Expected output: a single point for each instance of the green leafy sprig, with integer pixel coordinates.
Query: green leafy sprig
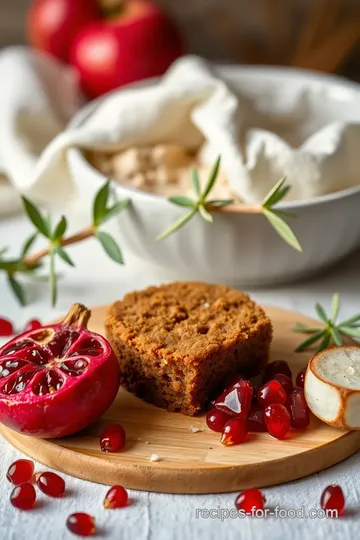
(200, 204)
(29, 263)
(57, 240)
(203, 206)
(332, 332)
(275, 217)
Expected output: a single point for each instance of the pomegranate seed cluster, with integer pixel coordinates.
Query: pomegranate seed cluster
(269, 402)
(21, 474)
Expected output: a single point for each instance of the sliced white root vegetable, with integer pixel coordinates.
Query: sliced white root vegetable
(332, 386)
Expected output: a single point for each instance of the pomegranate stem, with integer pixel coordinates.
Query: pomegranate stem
(78, 316)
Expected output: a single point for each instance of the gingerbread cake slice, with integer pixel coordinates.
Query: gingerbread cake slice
(178, 344)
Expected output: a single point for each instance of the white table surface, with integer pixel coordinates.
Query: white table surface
(96, 280)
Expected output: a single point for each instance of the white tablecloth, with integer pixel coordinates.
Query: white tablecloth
(173, 517)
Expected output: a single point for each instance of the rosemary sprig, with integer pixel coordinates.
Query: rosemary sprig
(28, 262)
(275, 217)
(203, 206)
(200, 204)
(332, 332)
(57, 240)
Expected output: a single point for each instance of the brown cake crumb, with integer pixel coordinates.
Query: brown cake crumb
(178, 344)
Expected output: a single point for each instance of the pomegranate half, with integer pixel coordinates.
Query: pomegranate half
(56, 380)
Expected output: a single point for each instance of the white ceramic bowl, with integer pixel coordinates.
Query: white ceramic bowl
(238, 249)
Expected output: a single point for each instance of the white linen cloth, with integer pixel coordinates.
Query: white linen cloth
(263, 131)
(38, 97)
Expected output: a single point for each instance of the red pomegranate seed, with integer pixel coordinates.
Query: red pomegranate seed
(113, 438)
(237, 400)
(216, 420)
(51, 484)
(6, 328)
(300, 378)
(277, 420)
(299, 410)
(235, 432)
(116, 497)
(33, 324)
(271, 392)
(23, 496)
(280, 366)
(21, 471)
(81, 524)
(250, 500)
(285, 382)
(256, 420)
(332, 498)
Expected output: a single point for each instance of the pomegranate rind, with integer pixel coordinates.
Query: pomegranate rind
(80, 401)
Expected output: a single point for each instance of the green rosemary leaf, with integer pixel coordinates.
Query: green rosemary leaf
(351, 321)
(335, 307)
(100, 202)
(219, 203)
(115, 210)
(310, 341)
(324, 343)
(196, 182)
(52, 277)
(177, 224)
(349, 331)
(59, 250)
(205, 214)
(275, 195)
(282, 228)
(332, 332)
(110, 247)
(60, 229)
(11, 265)
(284, 215)
(301, 329)
(28, 245)
(321, 312)
(36, 218)
(338, 340)
(3, 251)
(182, 201)
(17, 289)
(213, 175)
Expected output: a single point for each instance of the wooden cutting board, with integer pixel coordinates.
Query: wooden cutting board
(193, 462)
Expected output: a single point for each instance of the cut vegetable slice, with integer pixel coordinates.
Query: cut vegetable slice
(332, 386)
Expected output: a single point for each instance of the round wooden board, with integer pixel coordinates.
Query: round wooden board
(193, 462)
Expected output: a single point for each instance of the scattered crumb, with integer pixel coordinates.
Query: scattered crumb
(154, 457)
(147, 442)
(210, 448)
(138, 438)
(195, 429)
(206, 304)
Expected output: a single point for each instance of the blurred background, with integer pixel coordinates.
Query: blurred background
(316, 34)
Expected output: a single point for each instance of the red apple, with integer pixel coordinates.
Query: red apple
(137, 43)
(53, 24)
